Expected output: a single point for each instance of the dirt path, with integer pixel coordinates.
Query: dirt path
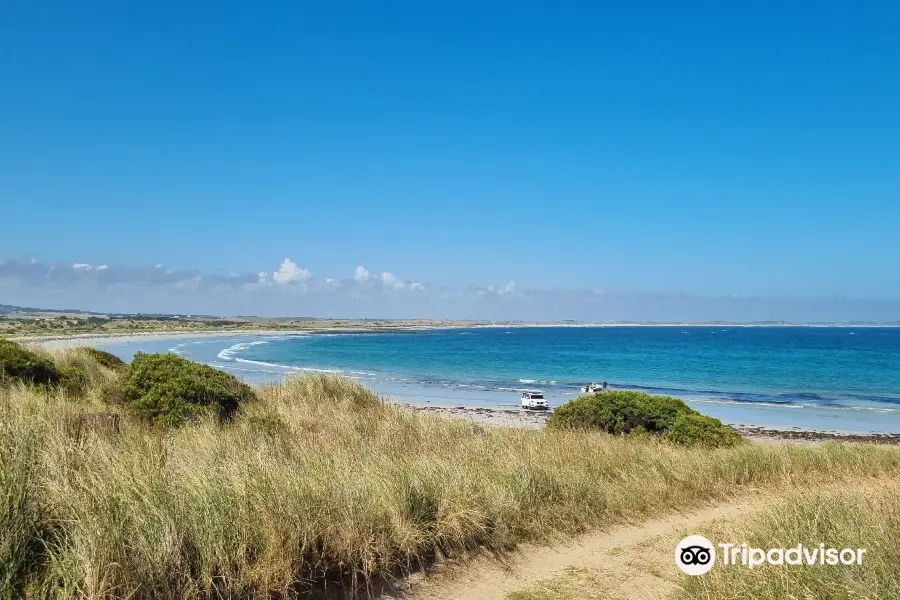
(635, 561)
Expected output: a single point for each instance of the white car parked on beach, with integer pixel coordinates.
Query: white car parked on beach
(534, 400)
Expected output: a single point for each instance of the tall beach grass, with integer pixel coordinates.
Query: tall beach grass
(861, 515)
(322, 481)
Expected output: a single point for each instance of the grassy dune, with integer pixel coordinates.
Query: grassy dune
(855, 514)
(321, 480)
(858, 516)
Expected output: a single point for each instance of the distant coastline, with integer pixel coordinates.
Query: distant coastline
(843, 324)
(402, 326)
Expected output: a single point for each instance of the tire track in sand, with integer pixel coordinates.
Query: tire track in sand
(631, 561)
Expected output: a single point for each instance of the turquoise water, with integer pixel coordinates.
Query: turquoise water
(809, 377)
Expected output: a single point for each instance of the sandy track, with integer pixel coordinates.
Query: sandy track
(632, 561)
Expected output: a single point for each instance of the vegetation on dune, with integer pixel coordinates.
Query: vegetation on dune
(169, 390)
(17, 363)
(571, 584)
(857, 514)
(103, 358)
(627, 412)
(693, 428)
(28, 321)
(74, 371)
(864, 515)
(318, 479)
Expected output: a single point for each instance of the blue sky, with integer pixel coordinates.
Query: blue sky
(694, 149)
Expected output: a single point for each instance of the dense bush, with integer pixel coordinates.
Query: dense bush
(104, 358)
(625, 412)
(168, 390)
(619, 412)
(695, 429)
(73, 379)
(20, 364)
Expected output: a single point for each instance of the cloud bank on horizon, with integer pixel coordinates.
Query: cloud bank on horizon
(292, 290)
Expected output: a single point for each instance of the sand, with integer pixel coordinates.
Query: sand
(501, 417)
(538, 420)
(94, 339)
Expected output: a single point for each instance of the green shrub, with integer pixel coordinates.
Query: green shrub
(639, 414)
(618, 412)
(696, 429)
(112, 391)
(20, 364)
(169, 390)
(104, 358)
(73, 380)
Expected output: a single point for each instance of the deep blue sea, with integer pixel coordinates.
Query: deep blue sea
(834, 378)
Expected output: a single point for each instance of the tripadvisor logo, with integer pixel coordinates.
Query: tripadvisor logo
(696, 555)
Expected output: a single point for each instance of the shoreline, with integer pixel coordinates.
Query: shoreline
(65, 341)
(157, 334)
(500, 417)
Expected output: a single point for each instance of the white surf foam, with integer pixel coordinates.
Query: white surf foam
(228, 353)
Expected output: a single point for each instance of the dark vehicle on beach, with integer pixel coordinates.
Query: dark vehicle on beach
(594, 387)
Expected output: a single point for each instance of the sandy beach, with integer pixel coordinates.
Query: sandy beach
(91, 339)
(495, 416)
(538, 420)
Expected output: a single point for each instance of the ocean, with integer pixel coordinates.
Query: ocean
(826, 378)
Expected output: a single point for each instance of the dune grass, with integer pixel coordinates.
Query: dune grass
(320, 480)
(858, 514)
(863, 515)
(571, 584)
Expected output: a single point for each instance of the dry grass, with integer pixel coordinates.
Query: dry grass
(862, 515)
(572, 584)
(322, 480)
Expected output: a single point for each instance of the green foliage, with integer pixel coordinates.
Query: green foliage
(104, 358)
(618, 412)
(20, 364)
(639, 414)
(169, 390)
(696, 429)
(112, 391)
(73, 379)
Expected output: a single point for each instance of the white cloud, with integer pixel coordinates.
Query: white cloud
(102, 268)
(507, 289)
(120, 288)
(289, 271)
(362, 274)
(392, 281)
